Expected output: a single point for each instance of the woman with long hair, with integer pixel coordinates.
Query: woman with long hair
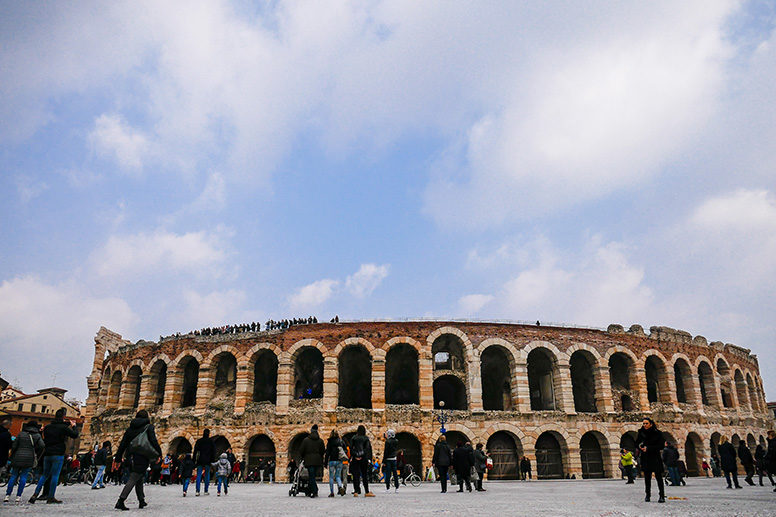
(651, 443)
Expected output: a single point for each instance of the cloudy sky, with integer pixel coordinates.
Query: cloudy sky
(168, 166)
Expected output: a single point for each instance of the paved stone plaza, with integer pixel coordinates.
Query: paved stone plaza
(701, 497)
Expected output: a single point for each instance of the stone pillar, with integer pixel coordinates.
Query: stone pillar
(564, 392)
(521, 387)
(474, 378)
(613, 465)
(574, 461)
(205, 387)
(172, 390)
(666, 383)
(603, 390)
(126, 394)
(426, 380)
(147, 391)
(284, 389)
(243, 389)
(378, 384)
(330, 384)
(642, 390)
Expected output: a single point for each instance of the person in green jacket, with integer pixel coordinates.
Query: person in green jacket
(626, 460)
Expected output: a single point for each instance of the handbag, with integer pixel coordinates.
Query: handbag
(141, 445)
(473, 476)
(342, 455)
(34, 454)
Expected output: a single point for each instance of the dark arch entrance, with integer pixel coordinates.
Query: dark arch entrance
(226, 375)
(495, 369)
(628, 441)
(592, 457)
(691, 460)
(714, 443)
(401, 375)
(261, 449)
(453, 437)
(293, 451)
(682, 381)
(549, 457)
(179, 446)
(447, 352)
(583, 381)
(133, 382)
(541, 379)
(355, 378)
(158, 382)
(308, 374)
(504, 450)
(706, 380)
(221, 444)
(190, 380)
(410, 445)
(265, 377)
(654, 370)
(451, 390)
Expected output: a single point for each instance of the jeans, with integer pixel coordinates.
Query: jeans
(312, 471)
(390, 470)
(673, 475)
(98, 478)
(52, 465)
(17, 474)
(186, 481)
(206, 470)
(335, 475)
(225, 481)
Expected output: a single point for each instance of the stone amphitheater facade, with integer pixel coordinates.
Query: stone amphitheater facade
(568, 398)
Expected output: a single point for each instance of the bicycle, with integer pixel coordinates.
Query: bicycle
(412, 478)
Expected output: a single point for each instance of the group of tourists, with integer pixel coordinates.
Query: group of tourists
(250, 327)
(468, 464)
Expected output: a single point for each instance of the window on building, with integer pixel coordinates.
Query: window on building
(32, 408)
(21, 406)
(43, 409)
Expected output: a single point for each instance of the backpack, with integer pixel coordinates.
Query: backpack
(358, 450)
(141, 445)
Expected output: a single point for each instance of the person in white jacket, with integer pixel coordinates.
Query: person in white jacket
(223, 468)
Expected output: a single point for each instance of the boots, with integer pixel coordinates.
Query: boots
(142, 504)
(120, 505)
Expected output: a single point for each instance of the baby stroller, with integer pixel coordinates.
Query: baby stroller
(300, 483)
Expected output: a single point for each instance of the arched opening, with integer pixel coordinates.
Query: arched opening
(410, 445)
(355, 378)
(179, 446)
(158, 382)
(752, 393)
(221, 443)
(628, 441)
(504, 449)
(735, 440)
(670, 438)
(293, 451)
(591, 455)
(495, 369)
(401, 375)
(725, 388)
(706, 378)
(743, 400)
(751, 443)
(260, 451)
(226, 376)
(308, 374)
(683, 381)
(714, 443)
(265, 377)
(549, 457)
(114, 390)
(451, 390)
(621, 373)
(456, 437)
(448, 353)
(541, 379)
(693, 449)
(190, 380)
(132, 385)
(657, 382)
(583, 381)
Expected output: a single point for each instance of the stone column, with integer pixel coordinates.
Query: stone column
(603, 390)
(574, 461)
(475, 382)
(284, 393)
(378, 384)
(426, 380)
(693, 391)
(564, 392)
(126, 395)
(147, 391)
(205, 387)
(172, 390)
(330, 384)
(521, 387)
(243, 389)
(641, 387)
(613, 466)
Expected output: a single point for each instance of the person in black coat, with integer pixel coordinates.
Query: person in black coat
(727, 457)
(770, 455)
(138, 462)
(55, 437)
(759, 459)
(101, 462)
(651, 443)
(186, 467)
(442, 460)
(361, 461)
(311, 451)
(5, 441)
(204, 455)
(462, 463)
(745, 455)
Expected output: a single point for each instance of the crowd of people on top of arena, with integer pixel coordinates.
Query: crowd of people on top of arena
(251, 327)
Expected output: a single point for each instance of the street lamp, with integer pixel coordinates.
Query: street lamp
(442, 416)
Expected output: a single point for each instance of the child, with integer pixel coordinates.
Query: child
(223, 468)
(186, 468)
(166, 466)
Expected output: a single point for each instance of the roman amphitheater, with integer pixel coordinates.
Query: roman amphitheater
(568, 398)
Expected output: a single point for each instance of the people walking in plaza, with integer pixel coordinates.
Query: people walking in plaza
(101, 462)
(770, 455)
(714, 463)
(671, 461)
(462, 463)
(626, 460)
(480, 465)
(759, 459)
(139, 457)
(204, 455)
(223, 468)
(311, 451)
(360, 461)
(651, 443)
(25, 451)
(525, 468)
(727, 458)
(747, 461)
(389, 460)
(335, 453)
(186, 467)
(54, 437)
(6, 440)
(443, 458)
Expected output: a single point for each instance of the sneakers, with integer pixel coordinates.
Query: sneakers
(18, 499)
(184, 494)
(218, 494)
(197, 494)
(341, 491)
(7, 499)
(331, 495)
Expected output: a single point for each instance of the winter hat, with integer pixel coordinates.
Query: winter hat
(223, 456)
(390, 433)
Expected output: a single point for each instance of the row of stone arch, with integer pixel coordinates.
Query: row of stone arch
(495, 375)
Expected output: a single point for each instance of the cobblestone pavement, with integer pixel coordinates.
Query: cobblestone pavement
(576, 497)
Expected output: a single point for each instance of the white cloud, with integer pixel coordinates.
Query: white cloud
(313, 295)
(368, 277)
(742, 210)
(29, 188)
(146, 253)
(211, 309)
(472, 303)
(113, 138)
(49, 330)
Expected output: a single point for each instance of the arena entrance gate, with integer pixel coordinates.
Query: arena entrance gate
(591, 456)
(549, 457)
(412, 453)
(504, 452)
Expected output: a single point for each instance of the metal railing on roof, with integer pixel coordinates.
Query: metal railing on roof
(474, 320)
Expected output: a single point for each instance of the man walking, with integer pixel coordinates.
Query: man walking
(204, 456)
(389, 460)
(54, 436)
(139, 461)
(442, 460)
(671, 461)
(101, 461)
